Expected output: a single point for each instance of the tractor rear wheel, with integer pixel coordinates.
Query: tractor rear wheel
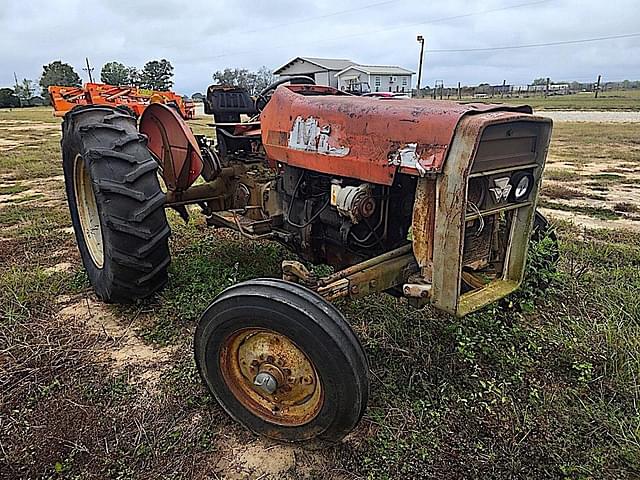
(282, 361)
(116, 204)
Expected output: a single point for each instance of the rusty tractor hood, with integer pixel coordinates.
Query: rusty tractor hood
(362, 137)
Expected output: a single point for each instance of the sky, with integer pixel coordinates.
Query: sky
(199, 37)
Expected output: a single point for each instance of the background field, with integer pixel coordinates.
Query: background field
(542, 385)
(615, 100)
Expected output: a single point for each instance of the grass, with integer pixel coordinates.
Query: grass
(12, 189)
(616, 100)
(607, 143)
(602, 213)
(541, 385)
(562, 192)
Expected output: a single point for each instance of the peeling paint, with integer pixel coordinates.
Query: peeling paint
(407, 157)
(309, 136)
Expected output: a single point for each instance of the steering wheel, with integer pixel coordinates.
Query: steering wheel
(265, 95)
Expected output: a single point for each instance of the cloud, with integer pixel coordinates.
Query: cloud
(200, 37)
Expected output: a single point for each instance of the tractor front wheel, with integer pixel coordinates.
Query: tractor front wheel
(282, 361)
(116, 204)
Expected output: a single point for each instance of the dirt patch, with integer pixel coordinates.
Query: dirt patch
(6, 145)
(123, 347)
(47, 191)
(591, 116)
(591, 222)
(592, 169)
(266, 459)
(30, 127)
(59, 267)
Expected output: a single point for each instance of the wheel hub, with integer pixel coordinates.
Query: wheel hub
(271, 376)
(266, 382)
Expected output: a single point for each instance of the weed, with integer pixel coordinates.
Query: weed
(12, 189)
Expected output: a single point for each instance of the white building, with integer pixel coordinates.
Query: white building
(375, 78)
(348, 75)
(322, 70)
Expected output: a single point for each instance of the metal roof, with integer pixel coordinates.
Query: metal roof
(324, 63)
(377, 70)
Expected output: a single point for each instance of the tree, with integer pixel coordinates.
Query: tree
(115, 73)
(134, 76)
(540, 81)
(264, 78)
(157, 75)
(254, 82)
(8, 98)
(58, 73)
(198, 97)
(25, 90)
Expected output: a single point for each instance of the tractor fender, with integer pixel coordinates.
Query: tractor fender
(172, 143)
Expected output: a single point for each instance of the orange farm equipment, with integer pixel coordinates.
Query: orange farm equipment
(134, 100)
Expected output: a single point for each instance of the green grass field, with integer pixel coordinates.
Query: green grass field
(615, 100)
(542, 385)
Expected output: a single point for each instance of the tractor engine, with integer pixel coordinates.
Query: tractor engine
(341, 221)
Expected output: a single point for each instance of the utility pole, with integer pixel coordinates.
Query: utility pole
(504, 85)
(546, 90)
(89, 69)
(15, 77)
(597, 85)
(420, 39)
(459, 92)
(439, 84)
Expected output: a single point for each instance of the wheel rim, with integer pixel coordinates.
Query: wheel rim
(255, 360)
(88, 212)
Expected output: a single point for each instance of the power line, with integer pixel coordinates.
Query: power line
(369, 32)
(319, 17)
(534, 45)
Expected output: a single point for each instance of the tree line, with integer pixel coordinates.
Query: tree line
(154, 75)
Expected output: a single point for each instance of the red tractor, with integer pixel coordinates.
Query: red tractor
(429, 200)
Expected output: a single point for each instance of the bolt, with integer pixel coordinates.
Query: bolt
(266, 382)
(255, 363)
(355, 289)
(279, 362)
(307, 380)
(270, 359)
(286, 371)
(262, 356)
(291, 379)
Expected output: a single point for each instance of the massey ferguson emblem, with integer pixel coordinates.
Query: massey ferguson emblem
(501, 190)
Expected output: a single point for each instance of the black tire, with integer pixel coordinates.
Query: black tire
(315, 327)
(128, 110)
(105, 142)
